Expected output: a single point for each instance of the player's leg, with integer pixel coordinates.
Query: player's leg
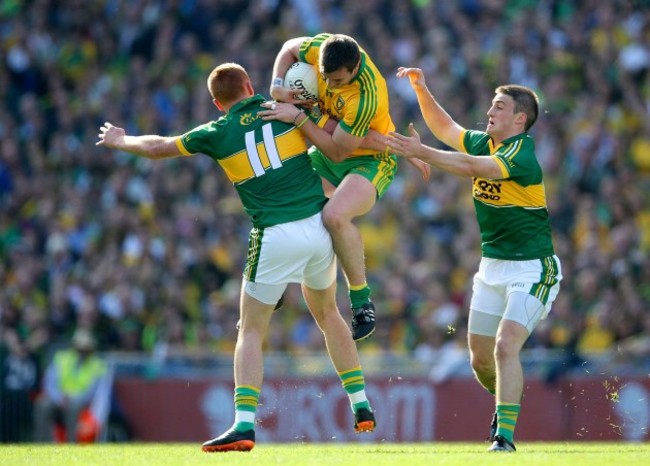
(481, 350)
(511, 337)
(255, 319)
(343, 353)
(319, 290)
(249, 373)
(354, 197)
(486, 308)
(533, 286)
(360, 182)
(257, 301)
(340, 346)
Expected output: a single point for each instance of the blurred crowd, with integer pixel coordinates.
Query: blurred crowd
(148, 255)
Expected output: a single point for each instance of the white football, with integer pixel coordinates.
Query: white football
(302, 76)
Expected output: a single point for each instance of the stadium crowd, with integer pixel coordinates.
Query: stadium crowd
(148, 256)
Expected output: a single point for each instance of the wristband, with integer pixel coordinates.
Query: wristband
(300, 112)
(277, 82)
(299, 125)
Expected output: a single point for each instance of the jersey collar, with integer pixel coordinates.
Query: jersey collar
(249, 100)
(509, 140)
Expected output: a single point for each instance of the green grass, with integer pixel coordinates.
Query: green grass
(394, 454)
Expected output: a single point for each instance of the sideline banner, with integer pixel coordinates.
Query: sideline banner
(316, 409)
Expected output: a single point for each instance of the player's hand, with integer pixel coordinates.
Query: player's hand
(290, 96)
(406, 146)
(423, 167)
(279, 111)
(110, 136)
(415, 75)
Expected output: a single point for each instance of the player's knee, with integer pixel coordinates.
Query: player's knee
(251, 330)
(481, 363)
(505, 348)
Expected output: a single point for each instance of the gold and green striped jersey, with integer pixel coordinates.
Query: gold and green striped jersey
(511, 211)
(266, 161)
(359, 106)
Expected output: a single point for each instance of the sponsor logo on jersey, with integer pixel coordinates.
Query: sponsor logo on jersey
(484, 189)
(248, 119)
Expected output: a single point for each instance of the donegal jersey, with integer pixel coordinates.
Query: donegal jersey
(511, 211)
(360, 105)
(266, 161)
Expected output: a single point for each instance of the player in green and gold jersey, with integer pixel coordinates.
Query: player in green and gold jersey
(519, 274)
(268, 164)
(353, 94)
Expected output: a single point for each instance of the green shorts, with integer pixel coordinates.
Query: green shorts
(379, 169)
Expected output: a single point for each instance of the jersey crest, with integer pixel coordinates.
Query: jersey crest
(339, 104)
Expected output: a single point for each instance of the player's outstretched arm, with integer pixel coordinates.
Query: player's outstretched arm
(437, 119)
(456, 163)
(375, 140)
(150, 146)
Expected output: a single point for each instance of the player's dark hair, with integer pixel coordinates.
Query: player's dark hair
(339, 51)
(525, 101)
(227, 82)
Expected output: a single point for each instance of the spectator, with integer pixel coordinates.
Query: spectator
(70, 384)
(19, 372)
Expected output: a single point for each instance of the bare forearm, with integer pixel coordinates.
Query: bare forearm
(282, 62)
(374, 140)
(334, 142)
(455, 163)
(436, 118)
(324, 141)
(149, 146)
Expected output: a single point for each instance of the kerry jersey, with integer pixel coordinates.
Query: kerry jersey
(360, 105)
(511, 211)
(266, 161)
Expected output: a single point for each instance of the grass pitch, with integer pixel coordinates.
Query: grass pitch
(448, 454)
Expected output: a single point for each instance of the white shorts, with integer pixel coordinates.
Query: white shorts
(522, 291)
(293, 252)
